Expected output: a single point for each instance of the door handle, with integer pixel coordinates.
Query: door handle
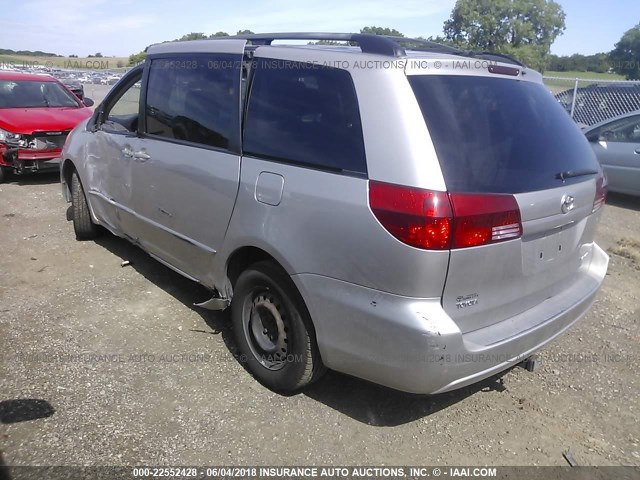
(637, 151)
(141, 156)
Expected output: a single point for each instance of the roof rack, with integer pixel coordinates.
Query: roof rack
(379, 44)
(368, 43)
(418, 44)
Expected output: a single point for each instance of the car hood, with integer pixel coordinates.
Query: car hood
(29, 120)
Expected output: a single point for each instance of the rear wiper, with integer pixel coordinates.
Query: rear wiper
(574, 173)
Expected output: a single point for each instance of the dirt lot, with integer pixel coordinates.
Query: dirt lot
(129, 372)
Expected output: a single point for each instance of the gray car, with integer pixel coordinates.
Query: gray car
(396, 210)
(616, 143)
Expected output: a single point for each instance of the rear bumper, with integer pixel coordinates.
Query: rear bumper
(412, 344)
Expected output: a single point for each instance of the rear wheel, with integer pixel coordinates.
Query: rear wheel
(82, 223)
(4, 172)
(273, 329)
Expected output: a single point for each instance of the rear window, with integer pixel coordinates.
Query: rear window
(304, 114)
(499, 135)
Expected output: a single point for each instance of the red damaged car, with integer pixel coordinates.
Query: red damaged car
(37, 113)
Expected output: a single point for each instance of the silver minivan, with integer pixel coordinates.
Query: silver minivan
(616, 143)
(393, 209)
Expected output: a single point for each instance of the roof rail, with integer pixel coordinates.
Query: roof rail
(378, 44)
(420, 44)
(368, 43)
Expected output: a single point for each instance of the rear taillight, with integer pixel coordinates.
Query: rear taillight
(601, 192)
(420, 218)
(481, 219)
(440, 221)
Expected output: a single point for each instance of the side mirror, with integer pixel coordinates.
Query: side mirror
(87, 102)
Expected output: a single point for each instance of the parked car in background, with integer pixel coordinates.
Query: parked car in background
(74, 85)
(599, 102)
(36, 114)
(616, 143)
(420, 229)
(110, 79)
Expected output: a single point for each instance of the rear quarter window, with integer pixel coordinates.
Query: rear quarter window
(306, 115)
(498, 135)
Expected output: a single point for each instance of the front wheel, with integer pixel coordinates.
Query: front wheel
(3, 174)
(83, 225)
(273, 329)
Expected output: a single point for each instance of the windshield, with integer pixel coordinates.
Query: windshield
(498, 135)
(34, 94)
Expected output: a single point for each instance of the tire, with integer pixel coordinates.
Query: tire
(4, 172)
(82, 223)
(273, 329)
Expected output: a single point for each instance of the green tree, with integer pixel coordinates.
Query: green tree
(522, 28)
(625, 57)
(97, 55)
(382, 31)
(436, 39)
(219, 34)
(244, 32)
(599, 63)
(192, 36)
(136, 58)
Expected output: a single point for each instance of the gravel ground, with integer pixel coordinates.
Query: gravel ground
(123, 370)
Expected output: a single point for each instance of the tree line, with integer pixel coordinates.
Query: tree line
(599, 63)
(136, 58)
(523, 29)
(27, 53)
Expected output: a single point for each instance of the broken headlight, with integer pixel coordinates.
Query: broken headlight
(12, 139)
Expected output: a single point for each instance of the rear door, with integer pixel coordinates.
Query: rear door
(186, 166)
(617, 146)
(503, 141)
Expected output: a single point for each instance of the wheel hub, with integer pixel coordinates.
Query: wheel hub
(268, 332)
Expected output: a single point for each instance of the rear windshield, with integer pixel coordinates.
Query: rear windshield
(34, 94)
(499, 135)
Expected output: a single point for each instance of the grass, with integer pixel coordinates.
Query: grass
(587, 75)
(558, 85)
(628, 248)
(82, 63)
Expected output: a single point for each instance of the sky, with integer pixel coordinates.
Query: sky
(120, 28)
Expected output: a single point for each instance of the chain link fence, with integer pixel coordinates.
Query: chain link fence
(590, 101)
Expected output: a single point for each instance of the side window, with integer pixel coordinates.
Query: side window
(128, 103)
(626, 130)
(195, 99)
(304, 114)
(121, 112)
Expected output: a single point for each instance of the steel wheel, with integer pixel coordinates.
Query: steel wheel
(265, 328)
(273, 329)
